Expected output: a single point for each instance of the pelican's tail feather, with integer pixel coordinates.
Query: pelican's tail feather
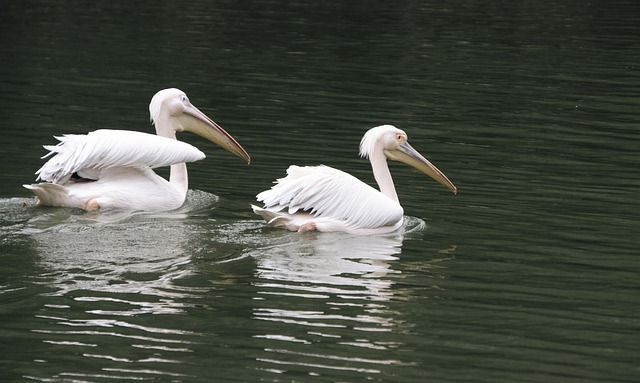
(277, 218)
(54, 195)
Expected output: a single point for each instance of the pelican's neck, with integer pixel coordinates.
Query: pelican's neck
(163, 125)
(383, 175)
(178, 176)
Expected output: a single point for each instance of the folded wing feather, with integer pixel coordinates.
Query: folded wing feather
(101, 149)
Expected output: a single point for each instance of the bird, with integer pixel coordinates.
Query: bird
(110, 168)
(321, 198)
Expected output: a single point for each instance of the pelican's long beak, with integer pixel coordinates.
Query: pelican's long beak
(194, 121)
(407, 154)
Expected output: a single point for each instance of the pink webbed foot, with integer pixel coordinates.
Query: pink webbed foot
(309, 226)
(92, 205)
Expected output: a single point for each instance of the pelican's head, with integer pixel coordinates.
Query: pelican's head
(393, 143)
(172, 112)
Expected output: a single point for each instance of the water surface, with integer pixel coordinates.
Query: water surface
(529, 274)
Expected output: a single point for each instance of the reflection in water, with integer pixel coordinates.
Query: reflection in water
(123, 292)
(115, 251)
(324, 263)
(333, 288)
(105, 273)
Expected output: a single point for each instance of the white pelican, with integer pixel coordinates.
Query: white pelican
(326, 199)
(113, 168)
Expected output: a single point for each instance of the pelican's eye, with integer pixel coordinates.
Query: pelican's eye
(402, 138)
(185, 100)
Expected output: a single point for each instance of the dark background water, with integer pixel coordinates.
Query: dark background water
(529, 274)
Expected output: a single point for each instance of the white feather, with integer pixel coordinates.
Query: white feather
(88, 154)
(332, 199)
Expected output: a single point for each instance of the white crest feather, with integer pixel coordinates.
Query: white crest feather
(156, 102)
(372, 137)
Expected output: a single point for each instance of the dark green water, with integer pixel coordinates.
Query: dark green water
(529, 274)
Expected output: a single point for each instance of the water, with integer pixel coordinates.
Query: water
(529, 274)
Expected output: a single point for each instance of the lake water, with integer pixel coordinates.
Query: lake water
(529, 274)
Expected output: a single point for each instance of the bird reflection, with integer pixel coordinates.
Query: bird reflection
(331, 287)
(101, 260)
(334, 260)
(112, 288)
(328, 264)
(139, 256)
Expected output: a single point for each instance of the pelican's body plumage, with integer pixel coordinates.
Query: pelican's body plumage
(113, 168)
(326, 199)
(330, 198)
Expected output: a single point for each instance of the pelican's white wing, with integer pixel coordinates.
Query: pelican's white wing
(87, 154)
(327, 193)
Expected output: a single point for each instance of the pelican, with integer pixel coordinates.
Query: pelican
(326, 199)
(113, 168)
